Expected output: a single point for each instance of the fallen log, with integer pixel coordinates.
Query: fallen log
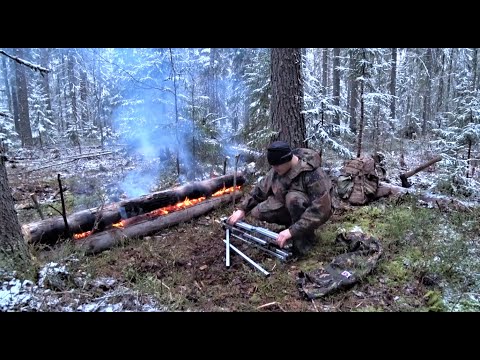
(443, 202)
(51, 230)
(70, 159)
(104, 240)
(405, 176)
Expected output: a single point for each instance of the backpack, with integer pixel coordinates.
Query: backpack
(358, 180)
(310, 156)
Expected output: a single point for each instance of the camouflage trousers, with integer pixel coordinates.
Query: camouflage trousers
(274, 211)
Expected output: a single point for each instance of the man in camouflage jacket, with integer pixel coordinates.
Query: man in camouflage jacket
(296, 193)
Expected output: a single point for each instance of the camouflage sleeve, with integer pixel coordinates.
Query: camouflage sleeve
(318, 187)
(258, 194)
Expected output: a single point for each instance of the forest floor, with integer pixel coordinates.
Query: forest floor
(427, 262)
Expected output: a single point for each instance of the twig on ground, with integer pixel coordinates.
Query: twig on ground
(271, 304)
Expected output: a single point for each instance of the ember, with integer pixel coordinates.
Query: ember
(92, 222)
(162, 211)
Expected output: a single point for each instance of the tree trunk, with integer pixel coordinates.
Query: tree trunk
(393, 84)
(325, 72)
(353, 95)
(175, 96)
(11, 240)
(449, 79)
(362, 109)
(440, 86)
(44, 61)
(469, 157)
(75, 134)
(7, 84)
(107, 239)
(84, 118)
(474, 68)
(22, 93)
(336, 82)
(287, 96)
(50, 231)
(61, 122)
(428, 91)
(16, 111)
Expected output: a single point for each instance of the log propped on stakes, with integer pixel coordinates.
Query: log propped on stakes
(52, 230)
(104, 240)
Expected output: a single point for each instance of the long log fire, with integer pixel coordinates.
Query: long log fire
(89, 222)
(145, 225)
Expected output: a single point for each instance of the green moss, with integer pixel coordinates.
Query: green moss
(433, 299)
(396, 223)
(395, 271)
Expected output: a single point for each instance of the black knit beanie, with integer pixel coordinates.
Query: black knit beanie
(278, 153)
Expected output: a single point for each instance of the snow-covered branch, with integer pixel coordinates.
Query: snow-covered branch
(26, 63)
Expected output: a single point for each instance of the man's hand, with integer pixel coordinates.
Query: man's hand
(282, 238)
(236, 216)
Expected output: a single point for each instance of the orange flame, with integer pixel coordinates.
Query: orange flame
(81, 235)
(165, 210)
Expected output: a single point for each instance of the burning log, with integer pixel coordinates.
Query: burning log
(50, 231)
(104, 240)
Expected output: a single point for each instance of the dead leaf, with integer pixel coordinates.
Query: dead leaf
(203, 267)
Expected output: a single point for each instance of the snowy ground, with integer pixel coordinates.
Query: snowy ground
(60, 290)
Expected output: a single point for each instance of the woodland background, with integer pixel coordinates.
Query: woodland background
(206, 100)
(194, 107)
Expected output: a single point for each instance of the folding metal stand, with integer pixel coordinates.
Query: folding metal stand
(261, 238)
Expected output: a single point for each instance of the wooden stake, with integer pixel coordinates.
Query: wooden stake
(64, 211)
(235, 179)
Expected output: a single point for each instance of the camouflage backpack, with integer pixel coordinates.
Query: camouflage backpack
(358, 180)
(310, 156)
